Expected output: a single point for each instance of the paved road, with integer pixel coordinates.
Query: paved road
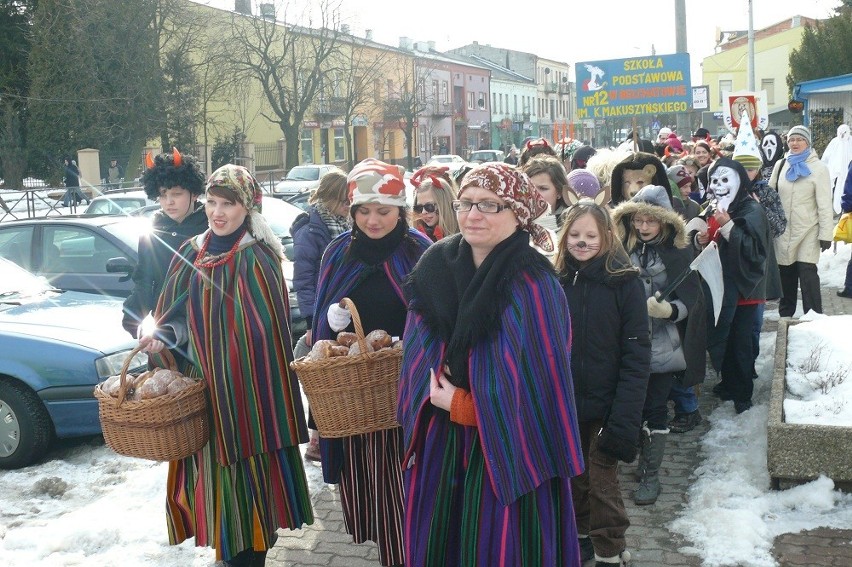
(651, 543)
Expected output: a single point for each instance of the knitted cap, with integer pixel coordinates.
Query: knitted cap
(374, 181)
(800, 131)
(745, 147)
(584, 183)
(679, 175)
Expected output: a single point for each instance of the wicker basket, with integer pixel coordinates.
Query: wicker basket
(165, 428)
(350, 395)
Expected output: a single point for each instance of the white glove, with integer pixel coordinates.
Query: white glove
(338, 317)
(659, 309)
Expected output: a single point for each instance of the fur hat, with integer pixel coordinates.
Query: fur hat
(170, 170)
(374, 181)
(802, 131)
(745, 148)
(701, 133)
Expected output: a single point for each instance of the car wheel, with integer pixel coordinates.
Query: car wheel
(25, 426)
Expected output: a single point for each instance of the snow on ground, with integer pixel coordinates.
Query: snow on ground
(88, 506)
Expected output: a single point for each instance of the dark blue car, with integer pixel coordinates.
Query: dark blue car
(55, 346)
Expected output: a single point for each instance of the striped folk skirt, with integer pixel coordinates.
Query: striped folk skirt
(240, 506)
(371, 491)
(453, 517)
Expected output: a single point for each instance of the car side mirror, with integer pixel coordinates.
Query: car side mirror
(120, 265)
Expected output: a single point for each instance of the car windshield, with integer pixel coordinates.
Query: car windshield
(303, 174)
(129, 229)
(17, 282)
(280, 216)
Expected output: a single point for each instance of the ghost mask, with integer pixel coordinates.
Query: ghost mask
(769, 145)
(724, 186)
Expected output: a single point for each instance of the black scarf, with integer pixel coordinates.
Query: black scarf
(374, 251)
(463, 304)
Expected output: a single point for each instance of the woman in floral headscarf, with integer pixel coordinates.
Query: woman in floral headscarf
(224, 308)
(486, 401)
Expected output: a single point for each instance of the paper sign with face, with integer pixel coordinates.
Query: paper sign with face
(634, 179)
(724, 185)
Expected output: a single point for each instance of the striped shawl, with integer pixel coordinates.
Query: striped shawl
(237, 317)
(521, 383)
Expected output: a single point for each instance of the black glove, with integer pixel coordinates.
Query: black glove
(824, 245)
(616, 447)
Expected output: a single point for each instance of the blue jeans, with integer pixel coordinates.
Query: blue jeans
(684, 398)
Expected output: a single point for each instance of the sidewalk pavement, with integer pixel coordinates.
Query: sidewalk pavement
(650, 542)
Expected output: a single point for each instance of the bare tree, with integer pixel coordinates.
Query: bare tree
(289, 62)
(409, 103)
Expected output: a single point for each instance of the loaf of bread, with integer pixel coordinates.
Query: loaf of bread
(339, 350)
(346, 338)
(356, 349)
(321, 350)
(180, 383)
(379, 339)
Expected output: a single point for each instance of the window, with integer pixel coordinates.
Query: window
(482, 101)
(768, 85)
(73, 250)
(516, 103)
(377, 91)
(725, 86)
(390, 88)
(445, 92)
(493, 101)
(471, 100)
(339, 152)
(435, 92)
(15, 244)
(307, 143)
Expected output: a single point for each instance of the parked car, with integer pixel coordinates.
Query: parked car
(55, 347)
(118, 203)
(482, 156)
(452, 161)
(76, 253)
(301, 179)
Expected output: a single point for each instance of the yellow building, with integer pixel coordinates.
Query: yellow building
(354, 87)
(727, 70)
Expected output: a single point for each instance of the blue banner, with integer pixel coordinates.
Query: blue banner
(657, 84)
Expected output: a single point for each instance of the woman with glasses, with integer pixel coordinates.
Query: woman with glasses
(368, 265)
(433, 202)
(654, 236)
(326, 218)
(486, 399)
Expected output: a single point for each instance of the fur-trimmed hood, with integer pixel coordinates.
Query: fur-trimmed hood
(622, 217)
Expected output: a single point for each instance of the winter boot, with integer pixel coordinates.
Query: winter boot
(652, 456)
(620, 560)
(644, 439)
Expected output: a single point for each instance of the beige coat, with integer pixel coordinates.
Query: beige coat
(807, 204)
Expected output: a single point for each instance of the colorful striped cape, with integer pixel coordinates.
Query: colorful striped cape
(237, 315)
(521, 384)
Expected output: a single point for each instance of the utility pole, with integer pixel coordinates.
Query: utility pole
(750, 46)
(683, 127)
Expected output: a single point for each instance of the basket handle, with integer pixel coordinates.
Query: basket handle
(356, 320)
(124, 385)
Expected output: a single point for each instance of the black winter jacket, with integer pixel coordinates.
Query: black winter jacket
(155, 254)
(611, 346)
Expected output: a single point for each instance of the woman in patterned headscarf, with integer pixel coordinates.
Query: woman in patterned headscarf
(368, 265)
(224, 307)
(485, 398)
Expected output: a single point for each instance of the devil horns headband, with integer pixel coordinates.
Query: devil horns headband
(177, 159)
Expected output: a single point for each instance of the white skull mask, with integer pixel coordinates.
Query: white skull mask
(769, 145)
(724, 185)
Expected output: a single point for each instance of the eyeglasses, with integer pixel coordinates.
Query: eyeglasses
(428, 207)
(650, 222)
(488, 207)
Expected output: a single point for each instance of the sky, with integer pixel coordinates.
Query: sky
(87, 506)
(568, 32)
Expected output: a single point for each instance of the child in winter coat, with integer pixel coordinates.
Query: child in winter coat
(654, 236)
(606, 299)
